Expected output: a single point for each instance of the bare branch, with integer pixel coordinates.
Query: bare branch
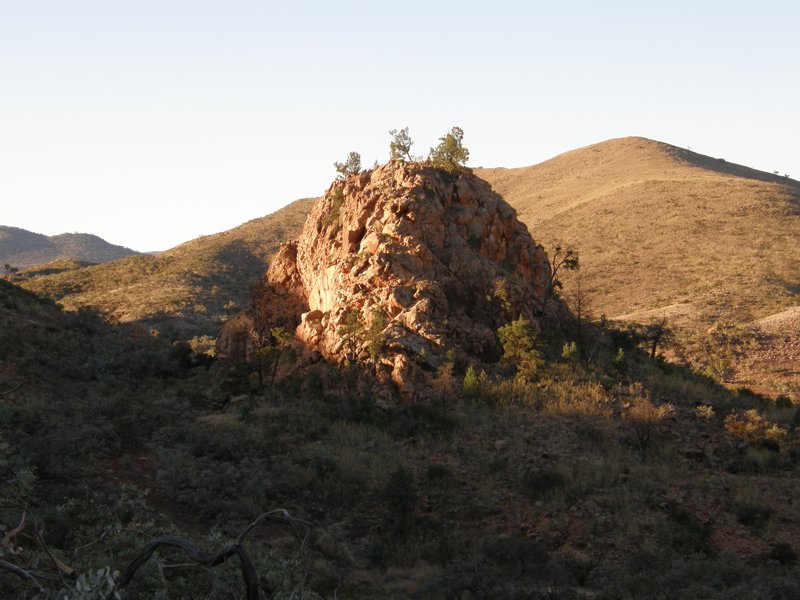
(11, 391)
(278, 512)
(21, 573)
(63, 569)
(249, 573)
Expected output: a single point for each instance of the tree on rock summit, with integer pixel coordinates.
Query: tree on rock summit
(351, 166)
(400, 146)
(450, 154)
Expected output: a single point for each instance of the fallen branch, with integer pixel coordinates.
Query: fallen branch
(61, 567)
(11, 391)
(21, 573)
(249, 572)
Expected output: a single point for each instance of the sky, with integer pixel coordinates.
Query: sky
(152, 122)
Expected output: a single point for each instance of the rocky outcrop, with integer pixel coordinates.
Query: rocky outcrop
(398, 265)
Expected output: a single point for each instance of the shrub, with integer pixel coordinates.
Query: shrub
(400, 495)
(704, 412)
(644, 417)
(756, 460)
(539, 484)
(690, 535)
(620, 360)
(570, 352)
(754, 515)
(332, 216)
(717, 352)
(375, 338)
(470, 384)
(521, 346)
(753, 429)
(783, 553)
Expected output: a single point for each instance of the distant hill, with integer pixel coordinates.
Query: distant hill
(23, 249)
(193, 286)
(662, 230)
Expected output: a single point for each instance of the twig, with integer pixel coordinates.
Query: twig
(278, 512)
(88, 544)
(62, 568)
(19, 528)
(282, 512)
(11, 391)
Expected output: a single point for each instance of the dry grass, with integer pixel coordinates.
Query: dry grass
(659, 228)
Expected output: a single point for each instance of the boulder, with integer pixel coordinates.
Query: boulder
(438, 260)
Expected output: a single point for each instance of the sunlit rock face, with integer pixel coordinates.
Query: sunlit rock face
(438, 259)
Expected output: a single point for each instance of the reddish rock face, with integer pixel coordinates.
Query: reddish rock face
(439, 259)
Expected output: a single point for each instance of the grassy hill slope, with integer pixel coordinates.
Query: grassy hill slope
(193, 285)
(664, 229)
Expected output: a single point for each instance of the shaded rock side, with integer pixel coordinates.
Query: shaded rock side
(439, 260)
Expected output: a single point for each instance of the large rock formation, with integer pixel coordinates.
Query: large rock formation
(425, 260)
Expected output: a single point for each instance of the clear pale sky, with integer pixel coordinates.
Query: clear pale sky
(152, 122)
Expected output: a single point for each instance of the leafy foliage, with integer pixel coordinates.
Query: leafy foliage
(470, 384)
(561, 259)
(400, 146)
(351, 166)
(643, 416)
(752, 428)
(375, 338)
(351, 332)
(521, 346)
(450, 154)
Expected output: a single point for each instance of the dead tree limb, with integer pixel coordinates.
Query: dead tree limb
(249, 572)
(11, 391)
(21, 573)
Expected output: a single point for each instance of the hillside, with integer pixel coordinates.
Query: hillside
(611, 479)
(192, 286)
(664, 229)
(23, 249)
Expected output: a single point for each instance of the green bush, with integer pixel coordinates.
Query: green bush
(450, 155)
(570, 352)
